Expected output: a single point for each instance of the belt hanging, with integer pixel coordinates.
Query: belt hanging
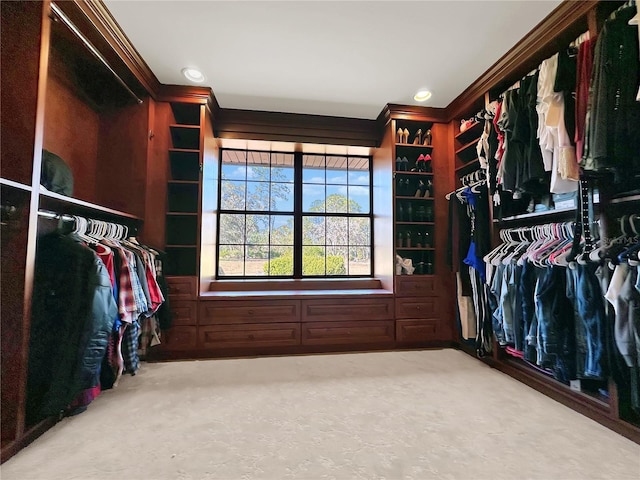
(584, 218)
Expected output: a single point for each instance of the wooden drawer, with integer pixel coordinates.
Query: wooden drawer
(233, 312)
(415, 286)
(179, 338)
(340, 333)
(414, 331)
(183, 288)
(417, 307)
(340, 310)
(241, 336)
(184, 312)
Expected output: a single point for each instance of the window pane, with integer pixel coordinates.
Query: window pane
(282, 167)
(359, 261)
(232, 195)
(337, 170)
(231, 229)
(231, 261)
(358, 199)
(336, 201)
(233, 172)
(313, 231)
(281, 229)
(359, 232)
(337, 260)
(281, 261)
(282, 197)
(234, 165)
(313, 198)
(257, 229)
(256, 261)
(358, 171)
(258, 196)
(313, 260)
(337, 232)
(258, 166)
(313, 169)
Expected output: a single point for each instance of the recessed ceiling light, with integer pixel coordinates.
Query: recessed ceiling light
(422, 95)
(193, 74)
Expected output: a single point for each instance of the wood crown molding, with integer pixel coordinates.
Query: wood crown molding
(567, 18)
(294, 127)
(111, 32)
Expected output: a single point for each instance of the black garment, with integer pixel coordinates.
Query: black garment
(165, 318)
(73, 314)
(613, 142)
(566, 77)
(458, 218)
(55, 174)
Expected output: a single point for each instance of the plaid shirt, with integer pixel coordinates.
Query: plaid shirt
(130, 348)
(139, 297)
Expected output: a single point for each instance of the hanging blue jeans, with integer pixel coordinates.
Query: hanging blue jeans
(556, 323)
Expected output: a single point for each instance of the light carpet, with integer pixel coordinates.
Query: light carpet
(390, 415)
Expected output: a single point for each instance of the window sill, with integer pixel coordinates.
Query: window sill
(295, 288)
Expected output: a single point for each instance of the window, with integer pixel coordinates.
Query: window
(294, 215)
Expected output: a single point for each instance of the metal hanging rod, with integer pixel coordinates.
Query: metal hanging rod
(56, 216)
(60, 14)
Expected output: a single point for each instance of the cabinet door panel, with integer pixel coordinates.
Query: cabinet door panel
(415, 307)
(183, 288)
(242, 336)
(414, 286)
(179, 338)
(337, 310)
(184, 312)
(233, 312)
(412, 331)
(340, 333)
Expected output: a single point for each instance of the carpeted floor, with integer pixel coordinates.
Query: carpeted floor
(393, 415)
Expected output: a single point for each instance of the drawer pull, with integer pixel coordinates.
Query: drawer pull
(250, 312)
(418, 307)
(251, 337)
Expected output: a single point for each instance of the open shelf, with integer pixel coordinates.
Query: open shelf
(185, 137)
(468, 146)
(546, 213)
(399, 172)
(64, 204)
(471, 128)
(469, 166)
(10, 183)
(186, 113)
(402, 197)
(630, 198)
(414, 223)
(411, 145)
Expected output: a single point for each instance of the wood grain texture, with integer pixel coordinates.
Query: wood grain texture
(97, 24)
(249, 312)
(19, 70)
(182, 288)
(247, 336)
(289, 127)
(335, 310)
(351, 333)
(71, 129)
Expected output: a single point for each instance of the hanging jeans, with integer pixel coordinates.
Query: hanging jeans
(526, 290)
(583, 288)
(556, 323)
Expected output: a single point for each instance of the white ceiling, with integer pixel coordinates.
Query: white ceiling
(342, 58)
